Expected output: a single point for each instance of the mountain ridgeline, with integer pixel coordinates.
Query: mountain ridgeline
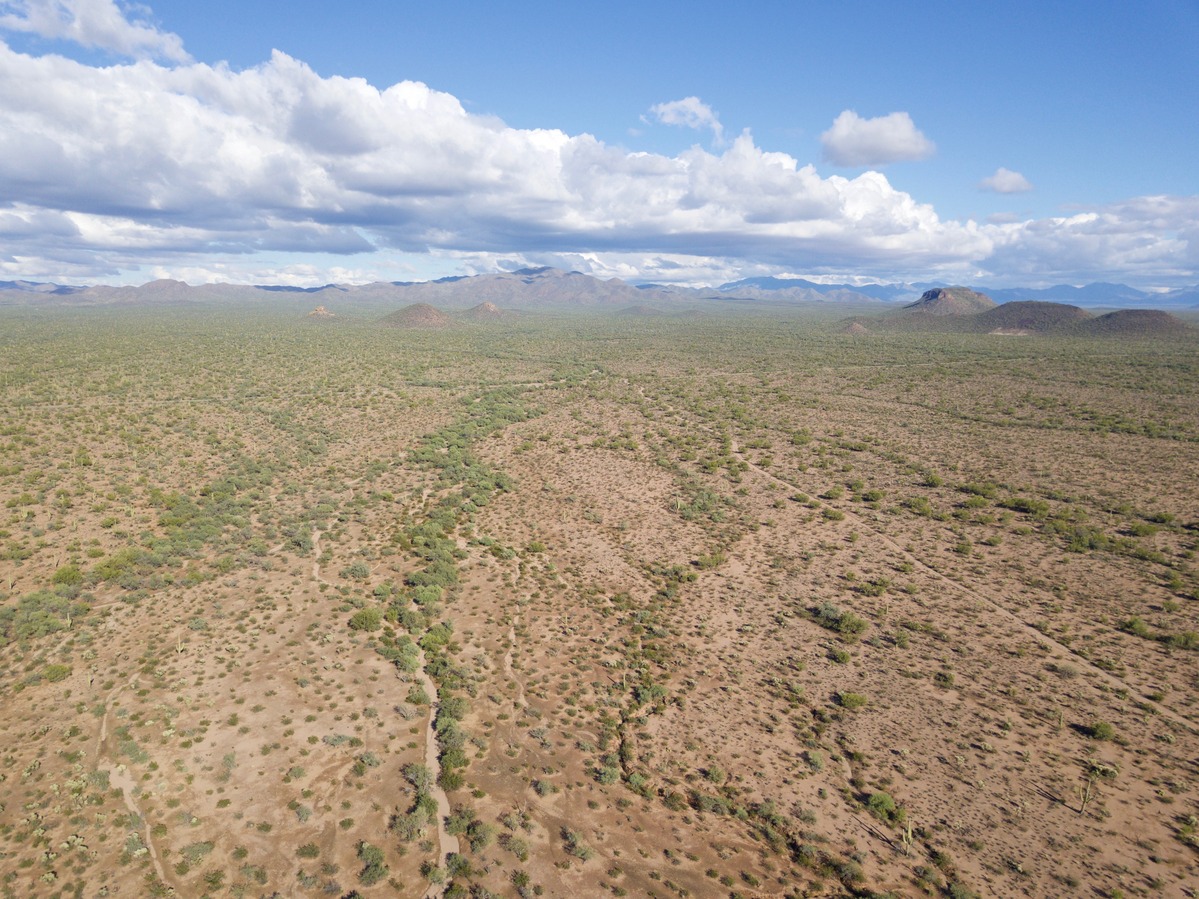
(494, 298)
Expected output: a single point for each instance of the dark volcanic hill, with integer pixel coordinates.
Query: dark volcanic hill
(418, 315)
(951, 301)
(1135, 323)
(1029, 317)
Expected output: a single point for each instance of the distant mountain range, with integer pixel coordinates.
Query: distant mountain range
(1101, 294)
(799, 287)
(1098, 294)
(539, 288)
(548, 288)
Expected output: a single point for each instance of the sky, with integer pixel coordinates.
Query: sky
(1013, 144)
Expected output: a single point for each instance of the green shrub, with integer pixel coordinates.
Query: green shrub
(56, 673)
(417, 695)
(37, 615)
(367, 620)
(373, 867)
(515, 845)
(195, 852)
(68, 575)
(1035, 507)
(918, 505)
(883, 806)
(575, 846)
(458, 865)
(480, 835)
(847, 624)
(985, 489)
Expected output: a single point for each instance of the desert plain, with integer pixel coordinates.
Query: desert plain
(733, 603)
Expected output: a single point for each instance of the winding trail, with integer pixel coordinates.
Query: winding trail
(104, 721)
(120, 777)
(316, 559)
(446, 842)
(508, 671)
(1107, 677)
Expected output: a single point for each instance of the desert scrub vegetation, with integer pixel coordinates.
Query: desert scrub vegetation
(606, 544)
(838, 620)
(42, 613)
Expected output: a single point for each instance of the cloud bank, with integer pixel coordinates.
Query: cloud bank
(192, 167)
(143, 158)
(854, 141)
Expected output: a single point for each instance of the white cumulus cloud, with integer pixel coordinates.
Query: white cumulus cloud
(690, 112)
(100, 24)
(194, 167)
(1142, 239)
(855, 141)
(146, 158)
(1005, 181)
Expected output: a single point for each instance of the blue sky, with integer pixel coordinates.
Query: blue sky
(998, 144)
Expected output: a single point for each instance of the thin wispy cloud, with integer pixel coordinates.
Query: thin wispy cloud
(854, 141)
(690, 112)
(96, 24)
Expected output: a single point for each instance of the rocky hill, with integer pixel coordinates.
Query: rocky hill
(1135, 323)
(484, 312)
(963, 311)
(951, 301)
(1029, 317)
